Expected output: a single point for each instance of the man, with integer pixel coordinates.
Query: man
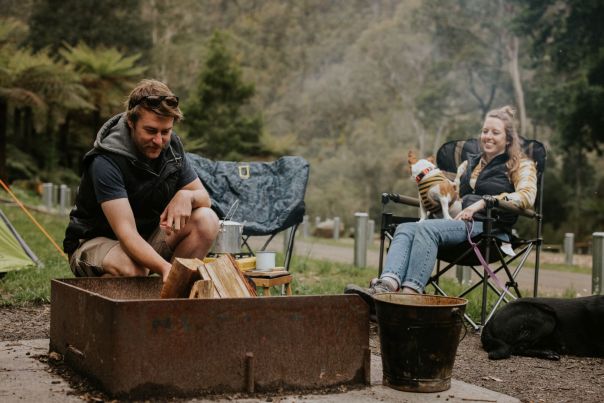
(139, 202)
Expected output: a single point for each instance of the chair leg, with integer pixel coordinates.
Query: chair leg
(290, 246)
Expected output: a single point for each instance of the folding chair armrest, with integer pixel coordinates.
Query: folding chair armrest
(508, 206)
(397, 198)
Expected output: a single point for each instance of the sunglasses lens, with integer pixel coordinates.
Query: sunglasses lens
(153, 101)
(172, 102)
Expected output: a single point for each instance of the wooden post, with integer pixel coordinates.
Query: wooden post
(249, 372)
(597, 250)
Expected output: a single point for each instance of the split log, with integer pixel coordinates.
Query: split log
(202, 289)
(181, 278)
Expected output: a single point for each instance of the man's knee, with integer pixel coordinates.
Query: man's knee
(125, 270)
(118, 263)
(205, 222)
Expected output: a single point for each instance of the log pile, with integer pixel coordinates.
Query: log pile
(220, 278)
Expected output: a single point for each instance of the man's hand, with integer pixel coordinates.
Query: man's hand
(177, 212)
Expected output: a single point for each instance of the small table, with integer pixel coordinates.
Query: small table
(266, 280)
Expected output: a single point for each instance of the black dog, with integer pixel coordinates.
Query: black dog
(546, 328)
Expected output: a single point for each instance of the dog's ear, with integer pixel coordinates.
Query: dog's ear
(411, 157)
(431, 159)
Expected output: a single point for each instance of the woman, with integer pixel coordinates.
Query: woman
(500, 170)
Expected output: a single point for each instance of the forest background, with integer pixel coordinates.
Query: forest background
(350, 85)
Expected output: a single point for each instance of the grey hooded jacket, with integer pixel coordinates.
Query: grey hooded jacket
(149, 190)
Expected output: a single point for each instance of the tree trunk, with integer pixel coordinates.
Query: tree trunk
(50, 147)
(96, 120)
(64, 143)
(17, 124)
(420, 137)
(512, 49)
(3, 125)
(28, 130)
(438, 139)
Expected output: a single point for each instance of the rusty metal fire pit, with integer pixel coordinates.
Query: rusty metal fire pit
(118, 332)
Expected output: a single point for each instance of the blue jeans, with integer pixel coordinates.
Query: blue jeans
(412, 254)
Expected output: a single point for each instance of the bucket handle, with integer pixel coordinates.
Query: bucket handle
(457, 312)
(229, 215)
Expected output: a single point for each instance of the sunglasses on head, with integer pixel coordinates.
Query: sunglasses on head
(154, 101)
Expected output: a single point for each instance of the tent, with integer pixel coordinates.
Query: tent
(14, 252)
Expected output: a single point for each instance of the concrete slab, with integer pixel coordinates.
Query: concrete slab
(24, 378)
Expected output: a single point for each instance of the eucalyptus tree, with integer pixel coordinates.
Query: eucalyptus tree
(567, 49)
(476, 56)
(567, 39)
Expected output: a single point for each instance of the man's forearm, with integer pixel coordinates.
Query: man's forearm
(142, 253)
(200, 198)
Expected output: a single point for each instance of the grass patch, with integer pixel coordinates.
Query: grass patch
(312, 277)
(317, 277)
(32, 285)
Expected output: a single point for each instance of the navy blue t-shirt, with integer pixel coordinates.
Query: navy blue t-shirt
(109, 183)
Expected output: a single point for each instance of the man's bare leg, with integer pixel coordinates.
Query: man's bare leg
(194, 240)
(118, 264)
(197, 237)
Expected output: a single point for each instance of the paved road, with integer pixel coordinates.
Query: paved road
(550, 282)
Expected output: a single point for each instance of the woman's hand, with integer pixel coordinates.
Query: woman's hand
(467, 213)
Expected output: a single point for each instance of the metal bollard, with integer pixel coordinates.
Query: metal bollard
(336, 228)
(47, 195)
(569, 244)
(360, 239)
(305, 226)
(55, 194)
(64, 198)
(597, 256)
(463, 274)
(370, 231)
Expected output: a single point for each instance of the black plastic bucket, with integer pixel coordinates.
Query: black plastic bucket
(419, 335)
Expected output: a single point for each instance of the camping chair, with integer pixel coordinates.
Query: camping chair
(270, 195)
(449, 156)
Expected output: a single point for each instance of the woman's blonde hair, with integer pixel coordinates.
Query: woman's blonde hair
(513, 149)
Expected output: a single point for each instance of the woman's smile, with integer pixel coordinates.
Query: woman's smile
(493, 138)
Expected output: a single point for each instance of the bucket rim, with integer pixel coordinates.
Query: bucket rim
(456, 301)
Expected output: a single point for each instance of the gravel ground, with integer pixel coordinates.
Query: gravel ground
(571, 379)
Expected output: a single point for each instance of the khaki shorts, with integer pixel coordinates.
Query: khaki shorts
(87, 260)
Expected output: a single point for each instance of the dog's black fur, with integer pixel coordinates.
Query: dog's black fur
(546, 328)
